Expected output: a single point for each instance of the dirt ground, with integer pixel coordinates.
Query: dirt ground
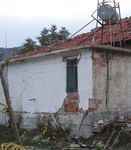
(56, 139)
(42, 138)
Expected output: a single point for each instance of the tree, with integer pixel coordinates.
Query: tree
(44, 37)
(28, 45)
(53, 34)
(50, 36)
(63, 33)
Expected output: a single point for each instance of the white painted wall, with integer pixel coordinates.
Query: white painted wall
(3, 116)
(85, 79)
(44, 80)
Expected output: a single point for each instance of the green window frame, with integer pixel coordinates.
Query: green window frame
(71, 75)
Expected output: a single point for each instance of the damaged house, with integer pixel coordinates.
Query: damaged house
(72, 76)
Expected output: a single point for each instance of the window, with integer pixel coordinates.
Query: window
(72, 83)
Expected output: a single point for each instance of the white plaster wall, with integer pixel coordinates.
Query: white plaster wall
(42, 79)
(85, 79)
(39, 85)
(3, 116)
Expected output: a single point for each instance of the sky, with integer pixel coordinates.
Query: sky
(20, 19)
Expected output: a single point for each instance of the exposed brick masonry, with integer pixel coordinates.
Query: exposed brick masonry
(94, 105)
(71, 103)
(101, 60)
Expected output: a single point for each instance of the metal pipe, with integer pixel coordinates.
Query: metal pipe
(81, 28)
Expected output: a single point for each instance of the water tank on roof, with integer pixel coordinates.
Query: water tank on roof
(107, 13)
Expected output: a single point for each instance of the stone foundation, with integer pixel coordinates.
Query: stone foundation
(70, 121)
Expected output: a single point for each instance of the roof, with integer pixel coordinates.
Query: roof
(72, 49)
(87, 38)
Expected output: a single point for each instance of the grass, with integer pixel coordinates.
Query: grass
(56, 139)
(6, 134)
(47, 138)
(51, 139)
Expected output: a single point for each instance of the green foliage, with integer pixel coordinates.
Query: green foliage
(63, 33)
(7, 60)
(6, 134)
(46, 37)
(50, 36)
(28, 45)
(53, 36)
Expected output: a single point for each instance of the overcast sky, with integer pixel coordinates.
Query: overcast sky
(20, 19)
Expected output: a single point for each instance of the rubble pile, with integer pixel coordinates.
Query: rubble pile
(111, 134)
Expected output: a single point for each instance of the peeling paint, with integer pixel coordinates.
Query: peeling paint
(119, 79)
(100, 60)
(94, 105)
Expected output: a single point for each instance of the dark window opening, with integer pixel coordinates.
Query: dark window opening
(72, 81)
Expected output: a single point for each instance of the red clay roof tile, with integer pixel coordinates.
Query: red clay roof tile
(87, 38)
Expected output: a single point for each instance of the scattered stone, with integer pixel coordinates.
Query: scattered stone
(99, 145)
(45, 141)
(37, 138)
(72, 146)
(100, 122)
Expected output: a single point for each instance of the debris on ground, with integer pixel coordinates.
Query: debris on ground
(114, 134)
(99, 145)
(100, 126)
(109, 134)
(72, 146)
